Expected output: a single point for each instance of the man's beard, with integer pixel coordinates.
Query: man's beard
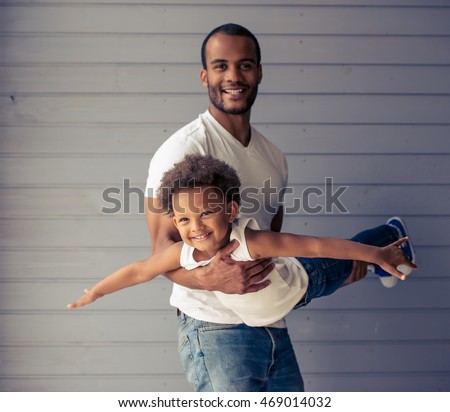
(221, 105)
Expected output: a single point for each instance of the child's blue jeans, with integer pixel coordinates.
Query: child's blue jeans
(239, 358)
(328, 275)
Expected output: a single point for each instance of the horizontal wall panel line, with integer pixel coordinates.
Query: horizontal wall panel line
(139, 249)
(24, 33)
(402, 4)
(169, 312)
(102, 186)
(107, 248)
(435, 277)
(175, 375)
(42, 280)
(14, 95)
(272, 65)
(112, 312)
(256, 124)
(171, 375)
(126, 216)
(131, 155)
(299, 343)
(176, 125)
(76, 249)
(351, 374)
(200, 35)
(109, 123)
(139, 216)
(90, 375)
(322, 343)
(141, 185)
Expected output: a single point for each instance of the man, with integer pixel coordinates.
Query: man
(255, 359)
(231, 72)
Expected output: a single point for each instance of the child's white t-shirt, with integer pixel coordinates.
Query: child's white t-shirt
(289, 282)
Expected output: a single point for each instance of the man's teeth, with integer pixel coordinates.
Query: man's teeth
(233, 91)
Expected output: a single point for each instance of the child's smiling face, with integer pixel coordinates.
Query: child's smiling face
(203, 218)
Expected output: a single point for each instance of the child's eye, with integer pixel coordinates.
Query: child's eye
(183, 220)
(206, 213)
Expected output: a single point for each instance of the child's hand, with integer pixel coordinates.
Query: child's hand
(87, 298)
(392, 256)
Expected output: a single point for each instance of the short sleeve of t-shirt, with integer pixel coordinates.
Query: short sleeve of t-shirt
(185, 141)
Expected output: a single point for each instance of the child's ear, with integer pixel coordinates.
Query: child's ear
(174, 220)
(233, 211)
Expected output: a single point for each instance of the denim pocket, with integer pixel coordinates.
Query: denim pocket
(216, 327)
(187, 360)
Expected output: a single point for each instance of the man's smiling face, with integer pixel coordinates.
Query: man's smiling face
(232, 74)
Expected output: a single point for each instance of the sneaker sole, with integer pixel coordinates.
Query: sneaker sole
(386, 278)
(408, 246)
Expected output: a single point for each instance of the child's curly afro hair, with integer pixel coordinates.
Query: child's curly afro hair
(199, 171)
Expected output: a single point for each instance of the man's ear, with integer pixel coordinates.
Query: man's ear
(260, 74)
(233, 211)
(204, 77)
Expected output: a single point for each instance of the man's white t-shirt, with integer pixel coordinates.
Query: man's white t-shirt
(262, 168)
(288, 282)
(260, 165)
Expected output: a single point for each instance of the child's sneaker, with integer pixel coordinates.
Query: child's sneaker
(386, 278)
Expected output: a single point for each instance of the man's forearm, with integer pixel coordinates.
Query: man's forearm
(187, 278)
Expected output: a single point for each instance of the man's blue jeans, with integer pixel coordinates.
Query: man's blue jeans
(239, 358)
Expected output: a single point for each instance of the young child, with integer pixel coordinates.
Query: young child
(202, 195)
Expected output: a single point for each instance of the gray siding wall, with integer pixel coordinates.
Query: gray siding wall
(354, 90)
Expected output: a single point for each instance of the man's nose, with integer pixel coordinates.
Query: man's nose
(233, 75)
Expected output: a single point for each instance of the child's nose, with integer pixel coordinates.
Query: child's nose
(196, 225)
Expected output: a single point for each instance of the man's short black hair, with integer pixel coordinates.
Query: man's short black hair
(231, 29)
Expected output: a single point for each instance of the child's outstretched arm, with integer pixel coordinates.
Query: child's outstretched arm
(264, 244)
(133, 274)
